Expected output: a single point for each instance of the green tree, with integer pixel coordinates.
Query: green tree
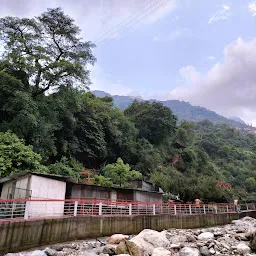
(120, 173)
(45, 52)
(100, 180)
(155, 122)
(15, 156)
(67, 167)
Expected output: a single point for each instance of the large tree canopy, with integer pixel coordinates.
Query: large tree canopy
(46, 51)
(154, 121)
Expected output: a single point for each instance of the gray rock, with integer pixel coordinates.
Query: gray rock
(110, 250)
(204, 251)
(206, 236)
(188, 251)
(38, 253)
(243, 249)
(50, 252)
(161, 252)
(212, 251)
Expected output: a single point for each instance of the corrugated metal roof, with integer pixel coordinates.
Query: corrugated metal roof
(46, 175)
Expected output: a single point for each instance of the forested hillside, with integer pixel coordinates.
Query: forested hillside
(183, 110)
(50, 124)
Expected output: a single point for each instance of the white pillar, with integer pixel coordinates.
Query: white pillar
(175, 210)
(75, 208)
(227, 209)
(26, 215)
(130, 209)
(100, 208)
(190, 210)
(154, 209)
(216, 209)
(204, 210)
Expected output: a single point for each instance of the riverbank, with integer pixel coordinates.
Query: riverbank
(231, 239)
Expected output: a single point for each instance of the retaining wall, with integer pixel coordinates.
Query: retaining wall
(22, 235)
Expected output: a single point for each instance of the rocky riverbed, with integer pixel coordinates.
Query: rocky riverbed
(237, 238)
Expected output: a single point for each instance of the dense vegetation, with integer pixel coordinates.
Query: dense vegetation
(50, 124)
(183, 110)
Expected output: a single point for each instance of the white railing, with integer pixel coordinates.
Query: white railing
(27, 209)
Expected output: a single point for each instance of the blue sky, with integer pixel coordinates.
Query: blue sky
(201, 51)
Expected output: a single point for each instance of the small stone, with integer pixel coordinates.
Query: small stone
(175, 246)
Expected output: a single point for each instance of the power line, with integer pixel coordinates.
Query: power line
(147, 15)
(102, 36)
(135, 20)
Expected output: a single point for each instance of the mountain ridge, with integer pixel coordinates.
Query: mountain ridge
(183, 110)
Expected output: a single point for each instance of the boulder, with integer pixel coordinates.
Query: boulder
(128, 247)
(110, 250)
(149, 239)
(117, 238)
(205, 236)
(38, 253)
(178, 239)
(161, 252)
(204, 251)
(243, 249)
(188, 251)
(253, 244)
(50, 252)
(251, 232)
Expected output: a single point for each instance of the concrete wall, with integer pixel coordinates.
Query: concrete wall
(86, 191)
(142, 196)
(44, 188)
(21, 183)
(17, 236)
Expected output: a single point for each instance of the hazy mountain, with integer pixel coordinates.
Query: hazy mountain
(237, 119)
(182, 109)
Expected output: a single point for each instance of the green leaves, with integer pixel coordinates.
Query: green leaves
(47, 49)
(120, 173)
(15, 156)
(155, 122)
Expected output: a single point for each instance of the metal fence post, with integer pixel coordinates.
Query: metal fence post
(26, 215)
(190, 210)
(130, 209)
(154, 209)
(175, 210)
(75, 208)
(100, 208)
(204, 210)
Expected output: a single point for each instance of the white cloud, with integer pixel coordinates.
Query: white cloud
(95, 17)
(211, 58)
(228, 87)
(222, 14)
(252, 8)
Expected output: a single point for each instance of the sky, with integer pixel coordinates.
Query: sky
(202, 52)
